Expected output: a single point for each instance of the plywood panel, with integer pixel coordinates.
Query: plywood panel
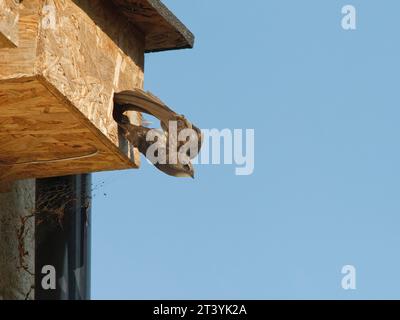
(162, 29)
(47, 139)
(20, 61)
(9, 15)
(86, 58)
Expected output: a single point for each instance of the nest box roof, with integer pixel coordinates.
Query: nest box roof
(162, 29)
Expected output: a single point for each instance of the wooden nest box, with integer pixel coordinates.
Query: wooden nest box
(60, 63)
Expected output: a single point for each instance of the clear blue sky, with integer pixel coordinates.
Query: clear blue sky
(325, 105)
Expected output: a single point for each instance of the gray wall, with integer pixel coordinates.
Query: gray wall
(17, 241)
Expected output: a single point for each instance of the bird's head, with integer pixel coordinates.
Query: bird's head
(185, 171)
(178, 170)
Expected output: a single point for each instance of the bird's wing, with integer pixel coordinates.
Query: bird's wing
(137, 135)
(141, 101)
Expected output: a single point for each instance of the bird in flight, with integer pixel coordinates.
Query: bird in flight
(166, 138)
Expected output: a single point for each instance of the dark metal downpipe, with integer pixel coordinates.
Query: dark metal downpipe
(63, 233)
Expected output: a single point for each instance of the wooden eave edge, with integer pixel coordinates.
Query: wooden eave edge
(171, 28)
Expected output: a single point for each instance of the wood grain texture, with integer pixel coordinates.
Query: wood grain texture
(86, 59)
(162, 29)
(9, 15)
(41, 137)
(20, 61)
(57, 85)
